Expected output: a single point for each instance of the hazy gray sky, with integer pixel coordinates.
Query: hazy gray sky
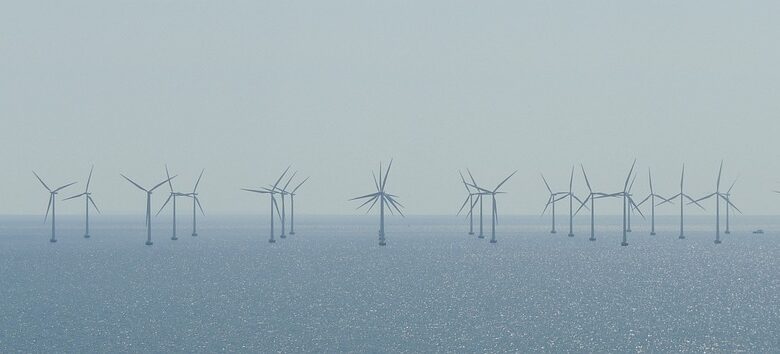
(244, 88)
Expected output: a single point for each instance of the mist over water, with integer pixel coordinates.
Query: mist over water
(433, 288)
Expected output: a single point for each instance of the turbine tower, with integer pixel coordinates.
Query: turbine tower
(196, 200)
(283, 191)
(718, 195)
(554, 197)
(87, 201)
(728, 209)
(631, 203)
(682, 195)
(148, 205)
(571, 196)
(50, 205)
(651, 197)
(479, 199)
(274, 206)
(628, 202)
(494, 207)
(292, 206)
(470, 201)
(592, 196)
(383, 198)
(171, 197)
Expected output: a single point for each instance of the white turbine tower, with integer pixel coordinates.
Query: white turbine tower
(283, 192)
(571, 196)
(682, 195)
(494, 207)
(87, 201)
(718, 196)
(171, 197)
(479, 199)
(470, 201)
(592, 196)
(292, 206)
(196, 201)
(148, 205)
(383, 198)
(651, 197)
(727, 196)
(628, 202)
(50, 205)
(274, 206)
(551, 200)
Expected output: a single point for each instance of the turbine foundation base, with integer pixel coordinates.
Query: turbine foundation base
(727, 232)
(493, 241)
(148, 243)
(717, 242)
(292, 232)
(382, 243)
(86, 236)
(282, 236)
(571, 234)
(682, 237)
(624, 243)
(174, 238)
(194, 234)
(271, 241)
(553, 232)
(53, 240)
(628, 230)
(592, 239)
(652, 234)
(481, 236)
(471, 233)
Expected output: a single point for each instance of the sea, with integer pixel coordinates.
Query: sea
(331, 288)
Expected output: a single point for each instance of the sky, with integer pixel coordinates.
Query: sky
(246, 88)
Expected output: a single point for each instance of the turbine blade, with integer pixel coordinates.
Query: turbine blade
(299, 185)
(63, 187)
(135, 184)
(197, 201)
(48, 206)
(586, 178)
(384, 181)
(504, 181)
(198, 181)
(582, 204)
(75, 196)
(365, 196)
(167, 174)
(89, 179)
(93, 204)
(288, 181)
(373, 200)
(720, 171)
(161, 183)
(395, 205)
(40, 180)
(546, 205)
(546, 184)
(732, 186)
(376, 184)
(464, 205)
(702, 198)
(693, 201)
(732, 205)
(164, 204)
(650, 179)
(630, 172)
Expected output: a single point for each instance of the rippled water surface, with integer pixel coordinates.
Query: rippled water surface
(331, 288)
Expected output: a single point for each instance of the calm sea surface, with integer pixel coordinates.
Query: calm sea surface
(331, 288)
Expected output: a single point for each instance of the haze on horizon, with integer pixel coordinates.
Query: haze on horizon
(246, 88)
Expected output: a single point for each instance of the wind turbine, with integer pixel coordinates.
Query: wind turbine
(470, 201)
(274, 206)
(571, 196)
(554, 197)
(479, 199)
(632, 204)
(383, 198)
(283, 191)
(651, 197)
(682, 195)
(196, 200)
(292, 206)
(592, 196)
(495, 209)
(52, 199)
(148, 205)
(628, 202)
(171, 197)
(87, 200)
(728, 209)
(718, 195)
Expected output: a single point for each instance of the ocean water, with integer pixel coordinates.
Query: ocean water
(433, 288)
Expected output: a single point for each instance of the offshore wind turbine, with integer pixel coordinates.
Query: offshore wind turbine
(682, 195)
(494, 207)
(50, 205)
(479, 199)
(651, 197)
(727, 195)
(554, 197)
(292, 206)
(148, 205)
(571, 196)
(196, 201)
(87, 201)
(283, 191)
(171, 197)
(383, 198)
(274, 206)
(632, 204)
(592, 196)
(470, 201)
(627, 203)
(718, 195)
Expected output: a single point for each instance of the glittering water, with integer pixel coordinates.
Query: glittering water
(331, 288)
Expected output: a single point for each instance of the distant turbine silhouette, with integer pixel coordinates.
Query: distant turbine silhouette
(171, 197)
(50, 205)
(571, 196)
(148, 205)
(554, 197)
(631, 203)
(292, 206)
(87, 200)
(627, 204)
(283, 192)
(682, 195)
(592, 196)
(727, 196)
(718, 195)
(274, 206)
(383, 198)
(196, 201)
(470, 201)
(479, 199)
(494, 208)
(651, 197)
